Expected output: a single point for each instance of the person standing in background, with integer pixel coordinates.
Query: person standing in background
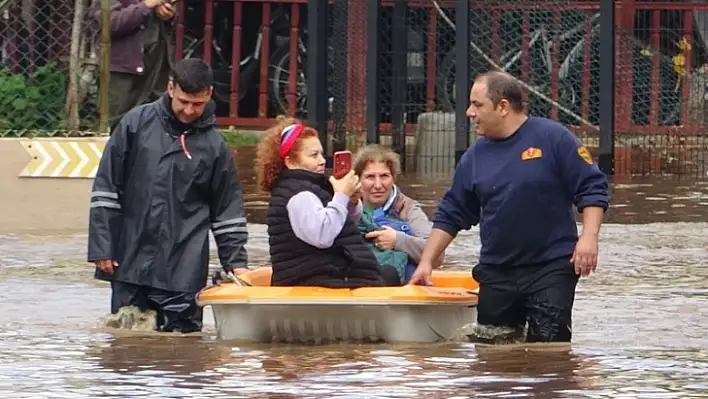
(141, 52)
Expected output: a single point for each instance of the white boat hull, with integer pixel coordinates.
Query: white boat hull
(319, 323)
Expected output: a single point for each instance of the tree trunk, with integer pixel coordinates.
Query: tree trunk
(72, 95)
(105, 64)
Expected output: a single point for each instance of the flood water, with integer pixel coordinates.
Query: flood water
(639, 325)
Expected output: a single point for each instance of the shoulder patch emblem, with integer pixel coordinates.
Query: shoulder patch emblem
(531, 153)
(585, 155)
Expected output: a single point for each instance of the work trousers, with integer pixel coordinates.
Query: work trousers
(541, 295)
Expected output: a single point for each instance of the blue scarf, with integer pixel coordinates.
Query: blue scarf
(376, 219)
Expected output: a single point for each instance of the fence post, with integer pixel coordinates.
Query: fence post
(317, 67)
(463, 80)
(606, 151)
(373, 99)
(399, 73)
(338, 82)
(104, 65)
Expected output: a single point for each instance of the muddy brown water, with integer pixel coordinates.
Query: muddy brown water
(639, 325)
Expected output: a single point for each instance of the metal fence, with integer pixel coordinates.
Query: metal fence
(634, 93)
(48, 73)
(408, 55)
(662, 76)
(390, 71)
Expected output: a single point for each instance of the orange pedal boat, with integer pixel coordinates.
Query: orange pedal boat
(254, 311)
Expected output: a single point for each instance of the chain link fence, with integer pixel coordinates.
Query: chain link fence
(437, 93)
(662, 90)
(48, 71)
(551, 48)
(346, 87)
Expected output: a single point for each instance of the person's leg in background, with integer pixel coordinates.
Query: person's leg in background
(549, 297)
(124, 93)
(160, 79)
(157, 73)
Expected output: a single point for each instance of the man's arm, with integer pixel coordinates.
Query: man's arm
(106, 212)
(228, 218)
(583, 180)
(459, 209)
(124, 20)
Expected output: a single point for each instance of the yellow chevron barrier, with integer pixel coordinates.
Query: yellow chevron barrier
(62, 158)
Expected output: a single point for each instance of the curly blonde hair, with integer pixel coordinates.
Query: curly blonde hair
(376, 153)
(268, 164)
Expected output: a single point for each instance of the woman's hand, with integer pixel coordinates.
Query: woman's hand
(383, 239)
(347, 185)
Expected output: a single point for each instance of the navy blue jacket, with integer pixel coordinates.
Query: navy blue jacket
(522, 191)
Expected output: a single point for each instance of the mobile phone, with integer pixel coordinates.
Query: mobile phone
(342, 163)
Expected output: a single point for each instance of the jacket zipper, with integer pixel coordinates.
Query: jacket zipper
(183, 143)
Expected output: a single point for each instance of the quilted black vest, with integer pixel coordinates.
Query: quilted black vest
(348, 263)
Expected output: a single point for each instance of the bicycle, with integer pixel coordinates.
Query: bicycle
(221, 45)
(540, 63)
(279, 60)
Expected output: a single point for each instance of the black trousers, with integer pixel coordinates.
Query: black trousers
(541, 295)
(176, 311)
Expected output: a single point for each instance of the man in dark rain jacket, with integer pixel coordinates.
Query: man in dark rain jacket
(165, 178)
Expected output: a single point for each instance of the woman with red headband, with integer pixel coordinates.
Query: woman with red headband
(312, 218)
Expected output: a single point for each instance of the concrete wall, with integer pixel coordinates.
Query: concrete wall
(46, 184)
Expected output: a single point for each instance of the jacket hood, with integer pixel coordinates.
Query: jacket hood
(204, 122)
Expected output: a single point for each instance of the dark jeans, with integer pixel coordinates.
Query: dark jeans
(176, 311)
(541, 295)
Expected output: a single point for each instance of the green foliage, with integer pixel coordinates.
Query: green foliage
(240, 138)
(32, 101)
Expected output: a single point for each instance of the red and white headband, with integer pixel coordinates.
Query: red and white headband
(288, 137)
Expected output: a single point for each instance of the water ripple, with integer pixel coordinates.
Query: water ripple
(638, 330)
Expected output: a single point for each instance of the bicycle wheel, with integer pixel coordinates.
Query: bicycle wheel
(221, 65)
(278, 76)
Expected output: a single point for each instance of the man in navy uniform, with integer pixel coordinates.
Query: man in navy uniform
(521, 181)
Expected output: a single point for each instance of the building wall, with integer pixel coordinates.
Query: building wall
(42, 204)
